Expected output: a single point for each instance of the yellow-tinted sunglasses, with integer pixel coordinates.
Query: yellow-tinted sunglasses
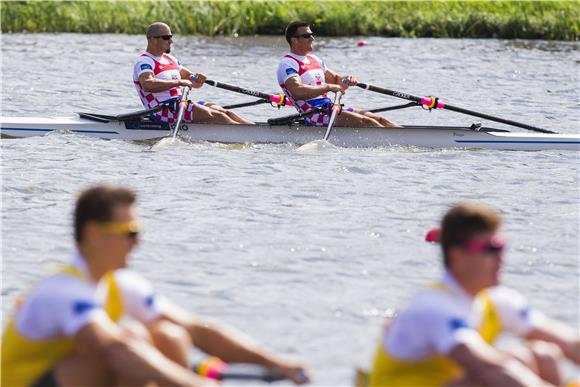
(129, 229)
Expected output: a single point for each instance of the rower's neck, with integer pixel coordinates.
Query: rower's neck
(96, 263)
(298, 52)
(157, 53)
(467, 286)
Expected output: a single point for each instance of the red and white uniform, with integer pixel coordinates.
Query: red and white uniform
(310, 69)
(165, 67)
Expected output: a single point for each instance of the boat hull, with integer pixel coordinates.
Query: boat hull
(418, 136)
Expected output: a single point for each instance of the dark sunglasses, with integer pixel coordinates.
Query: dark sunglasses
(307, 35)
(491, 246)
(164, 37)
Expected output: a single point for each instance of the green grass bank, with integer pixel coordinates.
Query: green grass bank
(551, 20)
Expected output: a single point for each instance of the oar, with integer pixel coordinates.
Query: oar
(435, 103)
(180, 112)
(245, 104)
(215, 368)
(290, 118)
(335, 110)
(397, 107)
(278, 99)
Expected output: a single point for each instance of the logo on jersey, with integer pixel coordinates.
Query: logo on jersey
(149, 301)
(291, 71)
(457, 323)
(81, 307)
(525, 313)
(146, 66)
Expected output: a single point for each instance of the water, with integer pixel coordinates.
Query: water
(306, 252)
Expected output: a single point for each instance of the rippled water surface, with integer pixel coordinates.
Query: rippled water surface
(307, 252)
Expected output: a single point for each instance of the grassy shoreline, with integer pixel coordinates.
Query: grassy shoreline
(550, 20)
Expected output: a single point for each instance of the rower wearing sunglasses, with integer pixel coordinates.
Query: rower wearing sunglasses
(159, 77)
(306, 80)
(96, 323)
(446, 335)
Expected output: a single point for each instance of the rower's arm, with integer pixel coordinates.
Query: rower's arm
(305, 92)
(154, 85)
(555, 332)
(232, 346)
(488, 367)
(130, 359)
(334, 78)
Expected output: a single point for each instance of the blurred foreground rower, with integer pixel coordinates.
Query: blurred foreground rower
(96, 323)
(446, 335)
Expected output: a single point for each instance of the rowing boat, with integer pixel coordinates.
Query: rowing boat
(140, 129)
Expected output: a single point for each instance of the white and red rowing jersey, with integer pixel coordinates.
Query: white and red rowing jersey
(165, 67)
(310, 69)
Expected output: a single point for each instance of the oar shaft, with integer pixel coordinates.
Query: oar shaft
(180, 112)
(246, 104)
(335, 110)
(270, 97)
(430, 102)
(288, 119)
(496, 119)
(394, 93)
(266, 376)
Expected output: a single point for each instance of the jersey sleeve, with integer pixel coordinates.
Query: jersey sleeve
(423, 329)
(446, 328)
(516, 315)
(287, 69)
(139, 298)
(143, 65)
(59, 306)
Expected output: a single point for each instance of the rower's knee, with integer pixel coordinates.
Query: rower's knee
(136, 330)
(172, 340)
(548, 357)
(219, 116)
(368, 121)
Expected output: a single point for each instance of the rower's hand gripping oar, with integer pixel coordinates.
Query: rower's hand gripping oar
(276, 99)
(180, 112)
(335, 109)
(435, 103)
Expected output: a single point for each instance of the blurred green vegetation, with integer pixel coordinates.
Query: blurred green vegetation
(551, 20)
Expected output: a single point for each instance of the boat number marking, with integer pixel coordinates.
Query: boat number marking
(183, 127)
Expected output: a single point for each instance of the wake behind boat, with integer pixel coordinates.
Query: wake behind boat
(132, 128)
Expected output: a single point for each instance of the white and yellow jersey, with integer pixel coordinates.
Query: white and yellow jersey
(40, 331)
(414, 347)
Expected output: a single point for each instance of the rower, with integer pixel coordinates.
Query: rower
(446, 335)
(158, 78)
(305, 80)
(95, 322)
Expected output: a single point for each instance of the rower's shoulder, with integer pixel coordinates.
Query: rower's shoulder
(503, 296)
(432, 301)
(55, 292)
(144, 60)
(131, 281)
(288, 60)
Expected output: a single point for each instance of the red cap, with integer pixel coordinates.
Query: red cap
(433, 235)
